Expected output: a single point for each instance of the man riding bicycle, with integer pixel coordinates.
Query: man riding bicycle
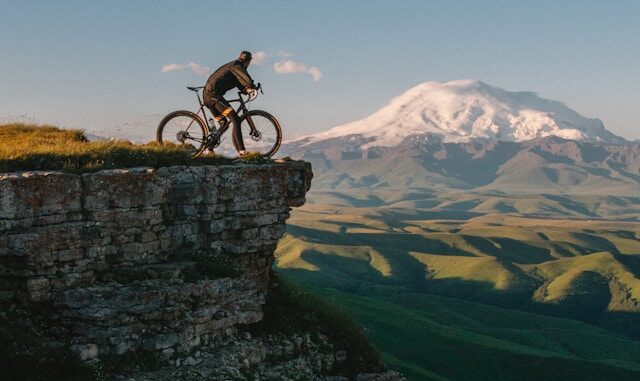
(225, 78)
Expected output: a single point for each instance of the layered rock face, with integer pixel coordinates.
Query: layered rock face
(156, 259)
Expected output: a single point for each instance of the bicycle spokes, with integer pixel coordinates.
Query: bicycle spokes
(183, 128)
(261, 133)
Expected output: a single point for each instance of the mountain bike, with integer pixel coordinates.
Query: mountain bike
(197, 133)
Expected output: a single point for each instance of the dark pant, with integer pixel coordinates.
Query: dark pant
(219, 106)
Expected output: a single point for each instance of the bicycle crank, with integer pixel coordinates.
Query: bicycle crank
(213, 141)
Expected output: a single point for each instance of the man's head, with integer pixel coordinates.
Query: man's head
(245, 58)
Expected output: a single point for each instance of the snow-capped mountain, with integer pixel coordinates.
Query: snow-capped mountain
(467, 135)
(465, 110)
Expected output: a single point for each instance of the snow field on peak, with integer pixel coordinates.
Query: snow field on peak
(464, 110)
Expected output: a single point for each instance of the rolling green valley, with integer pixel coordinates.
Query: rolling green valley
(454, 287)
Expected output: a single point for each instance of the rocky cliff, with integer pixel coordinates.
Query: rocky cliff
(118, 253)
(167, 261)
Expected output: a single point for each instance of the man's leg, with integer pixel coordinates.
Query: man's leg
(217, 108)
(237, 133)
(223, 109)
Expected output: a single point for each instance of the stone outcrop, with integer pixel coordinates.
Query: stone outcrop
(153, 259)
(241, 356)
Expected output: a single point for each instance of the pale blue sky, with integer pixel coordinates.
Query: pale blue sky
(97, 64)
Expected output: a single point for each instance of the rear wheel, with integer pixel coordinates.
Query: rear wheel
(265, 137)
(185, 129)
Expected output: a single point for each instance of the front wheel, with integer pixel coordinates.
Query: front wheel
(185, 129)
(265, 136)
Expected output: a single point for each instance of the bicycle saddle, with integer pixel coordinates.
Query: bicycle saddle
(195, 88)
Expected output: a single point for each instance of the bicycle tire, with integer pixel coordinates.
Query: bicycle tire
(271, 134)
(178, 128)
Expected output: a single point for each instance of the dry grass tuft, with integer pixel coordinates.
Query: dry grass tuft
(33, 147)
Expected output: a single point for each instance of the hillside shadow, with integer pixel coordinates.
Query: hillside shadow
(369, 202)
(461, 206)
(395, 248)
(570, 204)
(621, 170)
(593, 153)
(552, 158)
(373, 285)
(510, 249)
(474, 165)
(588, 303)
(596, 243)
(383, 243)
(602, 172)
(408, 274)
(502, 207)
(406, 271)
(420, 214)
(630, 261)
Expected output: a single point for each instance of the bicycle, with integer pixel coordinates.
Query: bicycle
(199, 134)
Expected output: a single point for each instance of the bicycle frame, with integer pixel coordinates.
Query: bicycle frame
(250, 124)
(242, 111)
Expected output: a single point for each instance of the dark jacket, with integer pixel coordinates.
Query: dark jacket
(226, 78)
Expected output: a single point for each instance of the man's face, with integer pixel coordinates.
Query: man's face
(247, 63)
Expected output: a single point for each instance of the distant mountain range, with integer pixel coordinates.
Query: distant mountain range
(467, 135)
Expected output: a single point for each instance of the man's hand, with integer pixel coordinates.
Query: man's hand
(252, 92)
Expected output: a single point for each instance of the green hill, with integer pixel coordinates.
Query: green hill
(465, 295)
(438, 338)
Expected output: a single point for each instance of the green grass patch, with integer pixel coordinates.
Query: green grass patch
(31, 147)
(111, 365)
(254, 158)
(429, 337)
(26, 355)
(210, 267)
(204, 266)
(292, 308)
(413, 308)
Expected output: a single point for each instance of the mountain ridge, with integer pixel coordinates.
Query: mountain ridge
(380, 152)
(466, 110)
(548, 165)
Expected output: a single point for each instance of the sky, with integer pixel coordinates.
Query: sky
(116, 67)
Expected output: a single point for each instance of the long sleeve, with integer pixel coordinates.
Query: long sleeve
(243, 77)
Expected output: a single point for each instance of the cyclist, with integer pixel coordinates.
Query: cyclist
(225, 78)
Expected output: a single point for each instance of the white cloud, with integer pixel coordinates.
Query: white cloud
(283, 53)
(259, 58)
(289, 67)
(315, 73)
(194, 67)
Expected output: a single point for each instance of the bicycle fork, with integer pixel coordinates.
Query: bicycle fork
(255, 134)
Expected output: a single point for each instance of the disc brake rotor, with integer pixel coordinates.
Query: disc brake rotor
(255, 135)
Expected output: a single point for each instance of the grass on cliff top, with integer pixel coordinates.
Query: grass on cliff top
(32, 147)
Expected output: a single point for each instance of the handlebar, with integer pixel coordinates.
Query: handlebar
(254, 94)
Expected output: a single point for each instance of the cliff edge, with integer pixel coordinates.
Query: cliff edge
(173, 261)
